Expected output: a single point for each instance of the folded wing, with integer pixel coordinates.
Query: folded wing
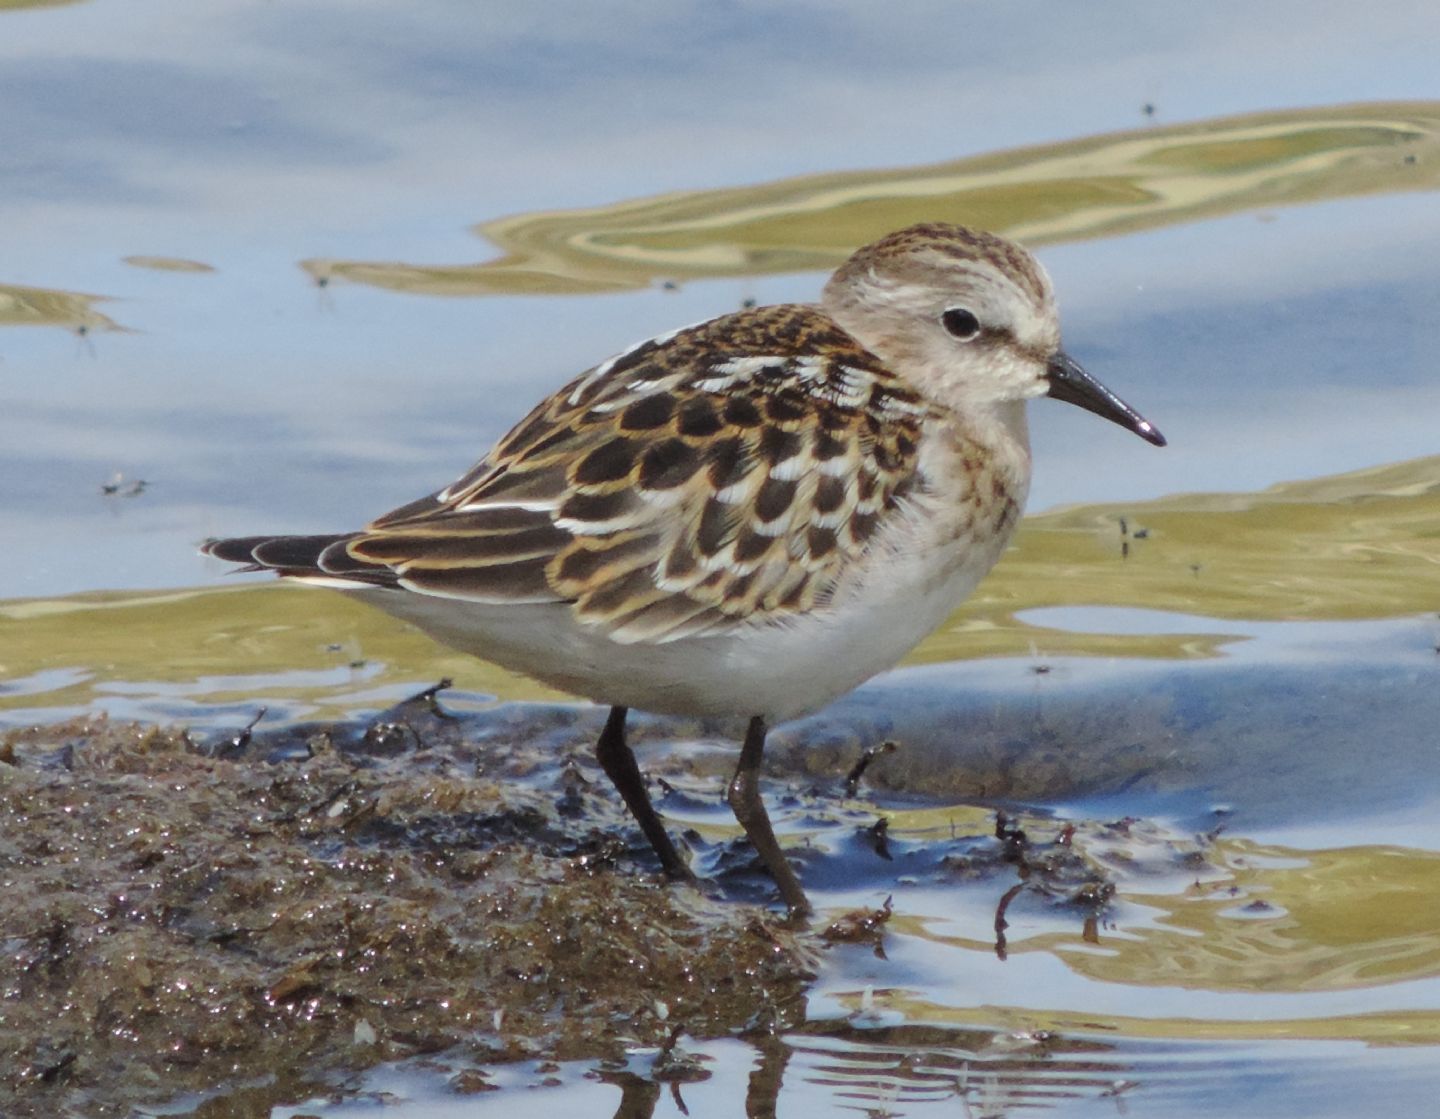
(716, 477)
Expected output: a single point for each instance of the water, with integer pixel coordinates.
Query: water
(291, 265)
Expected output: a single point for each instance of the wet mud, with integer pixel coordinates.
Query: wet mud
(244, 918)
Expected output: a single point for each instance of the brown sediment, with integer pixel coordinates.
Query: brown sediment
(173, 919)
(262, 913)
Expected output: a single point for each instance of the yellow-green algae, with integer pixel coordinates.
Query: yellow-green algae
(1098, 186)
(14, 5)
(30, 306)
(167, 264)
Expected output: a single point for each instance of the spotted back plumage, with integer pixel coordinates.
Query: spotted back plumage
(719, 475)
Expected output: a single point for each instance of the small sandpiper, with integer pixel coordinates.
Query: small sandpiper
(747, 517)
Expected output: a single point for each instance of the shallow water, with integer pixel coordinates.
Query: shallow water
(282, 267)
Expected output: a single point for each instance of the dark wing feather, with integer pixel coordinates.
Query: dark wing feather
(313, 557)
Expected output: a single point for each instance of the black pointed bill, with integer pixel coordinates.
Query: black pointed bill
(1069, 382)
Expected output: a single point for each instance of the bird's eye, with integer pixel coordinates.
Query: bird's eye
(961, 323)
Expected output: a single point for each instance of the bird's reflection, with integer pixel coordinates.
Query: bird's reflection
(877, 1071)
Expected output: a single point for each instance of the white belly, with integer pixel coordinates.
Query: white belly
(777, 669)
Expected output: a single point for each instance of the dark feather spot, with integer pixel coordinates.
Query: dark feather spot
(729, 462)
(698, 419)
(786, 327)
(667, 464)
(680, 563)
(595, 506)
(648, 413)
(581, 565)
(865, 485)
(751, 546)
(886, 457)
(717, 526)
(742, 412)
(774, 498)
(822, 542)
(629, 591)
(829, 494)
(828, 446)
(785, 409)
(830, 338)
(740, 586)
(862, 527)
(608, 462)
(776, 445)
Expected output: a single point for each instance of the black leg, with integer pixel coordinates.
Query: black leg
(749, 809)
(618, 762)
